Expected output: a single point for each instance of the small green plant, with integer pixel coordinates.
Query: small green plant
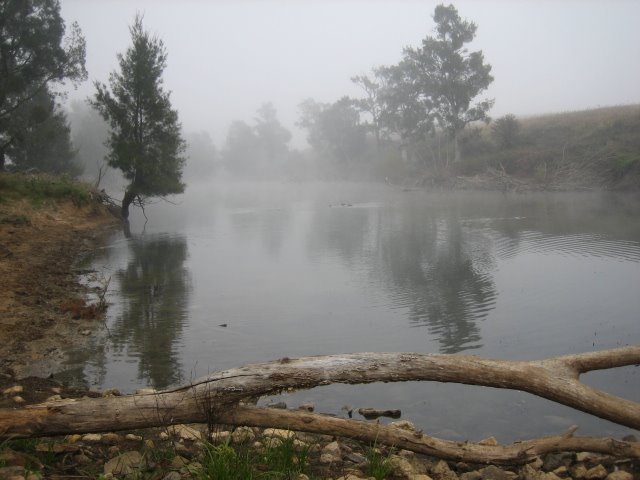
(223, 462)
(379, 465)
(285, 459)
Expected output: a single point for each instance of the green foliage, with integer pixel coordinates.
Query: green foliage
(280, 460)
(446, 77)
(40, 188)
(334, 129)
(285, 460)
(504, 131)
(260, 150)
(35, 54)
(41, 137)
(145, 141)
(223, 462)
(379, 466)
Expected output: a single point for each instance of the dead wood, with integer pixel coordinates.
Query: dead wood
(215, 398)
(372, 432)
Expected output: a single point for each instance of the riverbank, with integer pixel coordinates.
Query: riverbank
(46, 226)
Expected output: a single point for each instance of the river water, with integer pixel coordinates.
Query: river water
(243, 273)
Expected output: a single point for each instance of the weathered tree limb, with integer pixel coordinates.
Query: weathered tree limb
(514, 454)
(556, 379)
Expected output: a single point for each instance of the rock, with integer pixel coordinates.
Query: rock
(299, 445)
(279, 405)
(350, 476)
(552, 461)
(420, 476)
(111, 438)
(408, 454)
(181, 449)
(494, 473)
(302, 476)
(133, 438)
(278, 433)
(163, 436)
(53, 398)
(578, 471)
(537, 463)
(561, 471)
(74, 438)
(92, 437)
(13, 390)
(185, 432)
(307, 407)
(630, 438)
(402, 467)
(85, 332)
(82, 459)
(373, 413)
(355, 458)
(596, 473)
(243, 434)
(150, 444)
(172, 476)
(441, 471)
(491, 441)
(528, 473)
(220, 437)
(56, 390)
(178, 462)
(18, 399)
(475, 475)
(331, 453)
(404, 425)
(111, 392)
(585, 457)
(124, 464)
(620, 475)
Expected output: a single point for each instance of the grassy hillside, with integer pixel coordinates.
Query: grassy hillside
(591, 148)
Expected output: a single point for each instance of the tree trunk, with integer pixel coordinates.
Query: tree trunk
(129, 196)
(214, 399)
(457, 154)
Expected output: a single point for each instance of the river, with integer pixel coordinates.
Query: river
(242, 273)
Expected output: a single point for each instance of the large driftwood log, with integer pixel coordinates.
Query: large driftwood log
(514, 454)
(215, 398)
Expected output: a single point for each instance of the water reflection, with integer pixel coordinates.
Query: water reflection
(154, 287)
(438, 273)
(428, 263)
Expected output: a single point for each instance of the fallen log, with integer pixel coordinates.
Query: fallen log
(212, 398)
(517, 453)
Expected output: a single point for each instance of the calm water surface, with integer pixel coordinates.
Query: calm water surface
(307, 269)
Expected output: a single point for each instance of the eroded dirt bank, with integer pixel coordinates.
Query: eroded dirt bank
(41, 299)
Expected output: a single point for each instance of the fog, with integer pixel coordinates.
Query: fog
(228, 58)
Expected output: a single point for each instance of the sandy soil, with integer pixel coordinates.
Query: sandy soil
(42, 304)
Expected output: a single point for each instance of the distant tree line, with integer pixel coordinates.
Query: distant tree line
(419, 107)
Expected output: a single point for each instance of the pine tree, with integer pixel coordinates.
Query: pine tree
(145, 140)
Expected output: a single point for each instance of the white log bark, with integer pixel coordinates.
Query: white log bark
(214, 399)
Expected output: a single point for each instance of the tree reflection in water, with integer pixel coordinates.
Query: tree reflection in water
(155, 287)
(439, 278)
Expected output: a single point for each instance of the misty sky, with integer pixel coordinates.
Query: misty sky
(226, 58)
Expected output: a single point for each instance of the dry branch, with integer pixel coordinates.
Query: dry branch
(216, 397)
(514, 454)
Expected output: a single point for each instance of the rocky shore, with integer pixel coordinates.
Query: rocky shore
(188, 451)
